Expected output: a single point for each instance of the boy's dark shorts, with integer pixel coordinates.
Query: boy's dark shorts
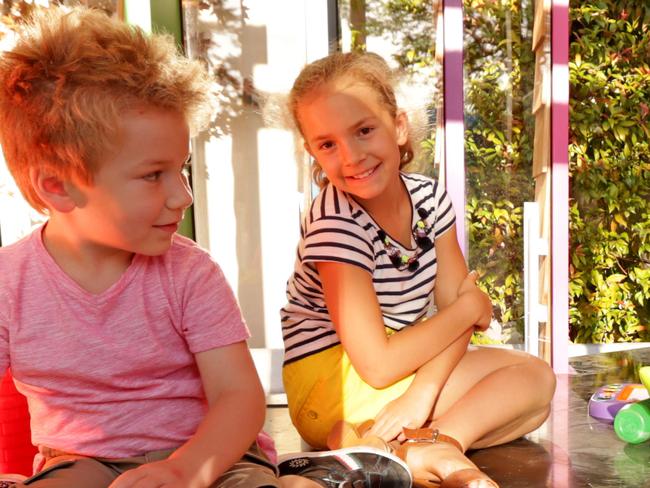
(61, 470)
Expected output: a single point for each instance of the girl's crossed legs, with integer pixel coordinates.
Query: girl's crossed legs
(493, 396)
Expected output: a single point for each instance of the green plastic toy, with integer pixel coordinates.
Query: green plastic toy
(644, 374)
(632, 422)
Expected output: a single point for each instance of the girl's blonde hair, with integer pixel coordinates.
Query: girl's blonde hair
(367, 68)
(69, 79)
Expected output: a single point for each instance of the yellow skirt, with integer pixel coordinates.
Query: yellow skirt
(325, 388)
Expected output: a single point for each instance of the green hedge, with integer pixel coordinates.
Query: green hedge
(610, 171)
(499, 150)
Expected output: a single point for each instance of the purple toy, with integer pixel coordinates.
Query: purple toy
(608, 400)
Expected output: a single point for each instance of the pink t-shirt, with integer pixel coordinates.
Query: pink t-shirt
(113, 375)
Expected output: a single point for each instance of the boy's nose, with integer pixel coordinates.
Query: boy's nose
(180, 196)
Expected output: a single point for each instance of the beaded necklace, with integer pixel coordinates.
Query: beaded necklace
(421, 235)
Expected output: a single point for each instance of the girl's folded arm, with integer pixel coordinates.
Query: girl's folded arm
(451, 269)
(451, 272)
(452, 278)
(356, 315)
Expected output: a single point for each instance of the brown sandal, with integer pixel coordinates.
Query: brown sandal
(459, 479)
(345, 434)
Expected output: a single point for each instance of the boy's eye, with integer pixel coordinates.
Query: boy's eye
(154, 176)
(364, 131)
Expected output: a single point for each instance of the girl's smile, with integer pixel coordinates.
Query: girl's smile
(365, 174)
(355, 139)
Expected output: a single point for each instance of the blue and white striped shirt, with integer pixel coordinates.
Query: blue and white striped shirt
(337, 229)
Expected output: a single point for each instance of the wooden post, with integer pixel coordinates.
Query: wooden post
(542, 157)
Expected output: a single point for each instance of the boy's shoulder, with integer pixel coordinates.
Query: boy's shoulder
(185, 251)
(13, 255)
(19, 266)
(186, 257)
(185, 245)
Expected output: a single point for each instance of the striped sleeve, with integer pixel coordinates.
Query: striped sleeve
(339, 239)
(445, 216)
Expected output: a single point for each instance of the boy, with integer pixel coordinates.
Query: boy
(125, 337)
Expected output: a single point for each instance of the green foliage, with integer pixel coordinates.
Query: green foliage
(498, 148)
(415, 55)
(416, 32)
(495, 234)
(610, 171)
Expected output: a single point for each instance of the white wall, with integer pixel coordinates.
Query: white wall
(252, 182)
(17, 218)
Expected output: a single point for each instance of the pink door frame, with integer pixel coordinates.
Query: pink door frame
(560, 184)
(454, 112)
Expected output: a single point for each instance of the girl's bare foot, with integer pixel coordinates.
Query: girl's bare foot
(443, 461)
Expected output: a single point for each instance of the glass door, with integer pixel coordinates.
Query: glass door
(493, 58)
(408, 35)
(503, 153)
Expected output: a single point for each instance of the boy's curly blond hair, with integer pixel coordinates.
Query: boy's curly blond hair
(367, 68)
(69, 79)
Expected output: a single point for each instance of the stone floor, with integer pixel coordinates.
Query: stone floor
(571, 449)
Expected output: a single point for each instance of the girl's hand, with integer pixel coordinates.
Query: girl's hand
(409, 410)
(469, 283)
(160, 474)
(468, 290)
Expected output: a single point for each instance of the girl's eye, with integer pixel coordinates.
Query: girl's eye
(327, 145)
(155, 176)
(364, 131)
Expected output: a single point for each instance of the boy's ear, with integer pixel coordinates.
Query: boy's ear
(402, 127)
(54, 191)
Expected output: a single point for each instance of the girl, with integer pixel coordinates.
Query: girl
(360, 343)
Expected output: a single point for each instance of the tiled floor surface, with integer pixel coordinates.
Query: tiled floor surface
(571, 449)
